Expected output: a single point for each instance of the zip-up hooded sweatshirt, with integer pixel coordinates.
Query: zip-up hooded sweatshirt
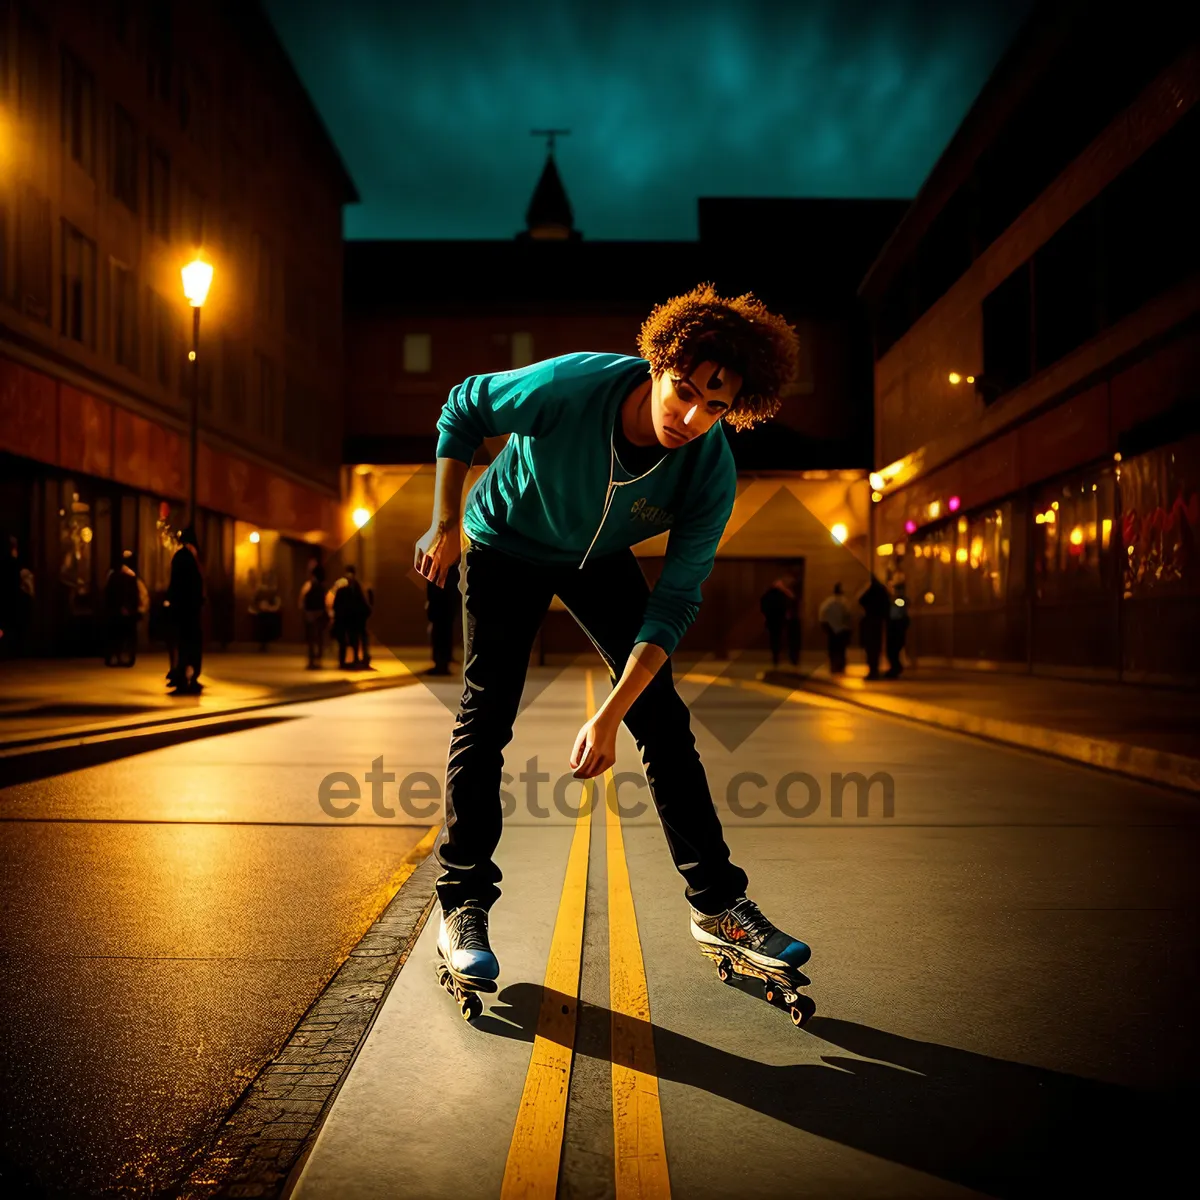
(557, 493)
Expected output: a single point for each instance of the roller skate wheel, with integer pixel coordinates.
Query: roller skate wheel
(470, 1006)
(725, 969)
(802, 1010)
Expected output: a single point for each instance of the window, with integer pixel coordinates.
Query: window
(981, 558)
(1160, 521)
(418, 353)
(78, 112)
(191, 205)
(1074, 547)
(522, 350)
(929, 567)
(78, 311)
(1066, 291)
(33, 67)
(1007, 333)
(266, 407)
(158, 51)
(124, 316)
(164, 339)
(125, 159)
(160, 194)
(34, 233)
(264, 275)
(233, 379)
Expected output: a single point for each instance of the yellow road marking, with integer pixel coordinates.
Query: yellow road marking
(411, 861)
(641, 1156)
(536, 1148)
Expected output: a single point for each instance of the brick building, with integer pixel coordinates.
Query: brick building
(132, 136)
(423, 315)
(1036, 330)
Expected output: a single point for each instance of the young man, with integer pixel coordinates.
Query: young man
(605, 451)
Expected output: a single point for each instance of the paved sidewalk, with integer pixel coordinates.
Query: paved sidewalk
(1150, 733)
(44, 700)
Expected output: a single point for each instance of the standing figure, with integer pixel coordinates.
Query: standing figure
(316, 619)
(875, 602)
(834, 615)
(897, 627)
(125, 601)
(185, 595)
(346, 604)
(441, 603)
(780, 607)
(606, 451)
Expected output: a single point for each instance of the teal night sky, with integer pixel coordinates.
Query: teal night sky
(431, 106)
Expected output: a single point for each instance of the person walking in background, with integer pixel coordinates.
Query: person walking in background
(875, 603)
(185, 595)
(780, 607)
(346, 604)
(834, 616)
(265, 611)
(441, 603)
(897, 627)
(316, 618)
(126, 601)
(365, 609)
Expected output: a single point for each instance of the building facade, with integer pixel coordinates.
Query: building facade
(422, 316)
(1036, 333)
(133, 137)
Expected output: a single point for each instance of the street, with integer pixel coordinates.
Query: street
(1003, 969)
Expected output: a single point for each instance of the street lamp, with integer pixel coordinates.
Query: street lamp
(197, 276)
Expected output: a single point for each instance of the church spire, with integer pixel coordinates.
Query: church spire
(549, 215)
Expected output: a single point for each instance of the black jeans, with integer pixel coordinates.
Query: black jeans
(504, 601)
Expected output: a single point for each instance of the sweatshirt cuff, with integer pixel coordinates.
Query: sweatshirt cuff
(450, 445)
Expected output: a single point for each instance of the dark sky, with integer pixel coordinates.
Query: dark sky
(431, 105)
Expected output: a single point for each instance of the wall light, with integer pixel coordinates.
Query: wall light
(839, 532)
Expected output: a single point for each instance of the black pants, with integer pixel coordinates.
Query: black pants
(775, 631)
(872, 640)
(504, 601)
(191, 648)
(897, 632)
(836, 642)
(121, 649)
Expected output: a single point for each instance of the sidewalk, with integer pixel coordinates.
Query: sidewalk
(1150, 733)
(62, 700)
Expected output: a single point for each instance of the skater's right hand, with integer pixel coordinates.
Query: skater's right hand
(437, 550)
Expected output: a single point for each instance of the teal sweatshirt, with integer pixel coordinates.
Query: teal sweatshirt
(557, 494)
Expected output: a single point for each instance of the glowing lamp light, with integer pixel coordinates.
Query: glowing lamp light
(876, 481)
(876, 496)
(928, 597)
(955, 378)
(1105, 532)
(838, 532)
(197, 276)
(1049, 516)
(970, 378)
(1077, 536)
(910, 527)
(899, 601)
(961, 554)
(884, 550)
(360, 517)
(935, 509)
(1039, 519)
(953, 503)
(255, 538)
(962, 524)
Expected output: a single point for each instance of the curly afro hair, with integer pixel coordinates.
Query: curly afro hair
(737, 333)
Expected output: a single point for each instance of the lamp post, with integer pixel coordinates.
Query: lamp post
(197, 276)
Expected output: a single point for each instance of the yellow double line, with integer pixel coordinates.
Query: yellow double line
(536, 1148)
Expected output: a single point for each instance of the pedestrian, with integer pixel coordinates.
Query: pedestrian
(265, 610)
(897, 627)
(875, 602)
(125, 602)
(16, 599)
(346, 604)
(441, 603)
(365, 608)
(834, 616)
(780, 607)
(316, 619)
(605, 451)
(185, 595)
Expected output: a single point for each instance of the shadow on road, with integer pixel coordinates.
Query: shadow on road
(1000, 1127)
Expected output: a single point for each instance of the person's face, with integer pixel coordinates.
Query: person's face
(685, 406)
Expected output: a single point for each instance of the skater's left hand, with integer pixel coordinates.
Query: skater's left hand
(595, 747)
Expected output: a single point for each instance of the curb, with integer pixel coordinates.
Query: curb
(1122, 758)
(264, 1141)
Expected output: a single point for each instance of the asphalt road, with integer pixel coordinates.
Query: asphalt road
(1004, 968)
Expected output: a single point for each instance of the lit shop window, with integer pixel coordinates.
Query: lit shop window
(1073, 544)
